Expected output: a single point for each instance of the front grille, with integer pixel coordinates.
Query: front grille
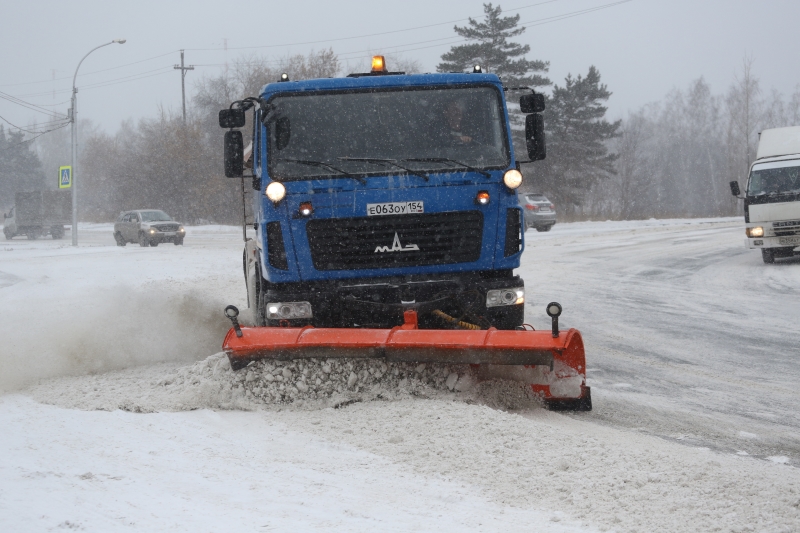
(513, 232)
(276, 252)
(790, 227)
(167, 227)
(394, 241)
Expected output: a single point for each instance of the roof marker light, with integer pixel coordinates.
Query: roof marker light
(284, 77)
(378, 64)
(477, 69)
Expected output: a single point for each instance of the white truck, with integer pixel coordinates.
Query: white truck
(38, 213)
(772, 196)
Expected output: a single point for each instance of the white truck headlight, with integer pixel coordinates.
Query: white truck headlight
(288, 310)
(757, 231)
(498, 297)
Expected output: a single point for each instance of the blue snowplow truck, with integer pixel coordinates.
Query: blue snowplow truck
(382, 192)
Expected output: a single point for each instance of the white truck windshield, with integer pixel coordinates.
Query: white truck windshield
(380, 131)
(778, 177)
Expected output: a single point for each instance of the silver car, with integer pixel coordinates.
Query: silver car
(540, 213)
(148, 227)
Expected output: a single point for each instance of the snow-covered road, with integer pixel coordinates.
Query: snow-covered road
(690, 346)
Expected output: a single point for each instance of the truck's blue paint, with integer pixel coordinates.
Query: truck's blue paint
(347, 198)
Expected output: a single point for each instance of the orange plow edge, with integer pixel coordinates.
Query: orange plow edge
(554, 367)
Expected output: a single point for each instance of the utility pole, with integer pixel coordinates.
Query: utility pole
(183, 70)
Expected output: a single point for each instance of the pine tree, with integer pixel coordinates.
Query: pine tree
(20, 168)
(494, 52)
(577, 135)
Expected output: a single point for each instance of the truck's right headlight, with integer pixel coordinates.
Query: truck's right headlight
(757, 231)
(512, 178)
(275, 191)
(498, 297)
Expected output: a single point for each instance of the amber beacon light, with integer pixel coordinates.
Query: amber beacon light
(378, 64)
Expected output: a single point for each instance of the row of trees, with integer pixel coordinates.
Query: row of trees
(669, 159)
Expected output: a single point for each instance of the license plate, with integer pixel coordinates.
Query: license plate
(544, 209)
(395, 208)
(169, 233)
(789, 240)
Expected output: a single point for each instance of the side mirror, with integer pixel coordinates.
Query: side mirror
(234, 154)
(735, 188)
(231, 118)
(534, 137)
(531, 103)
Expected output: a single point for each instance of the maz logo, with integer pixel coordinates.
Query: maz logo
(397, 247)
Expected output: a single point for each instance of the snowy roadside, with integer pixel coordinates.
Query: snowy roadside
(395, 456)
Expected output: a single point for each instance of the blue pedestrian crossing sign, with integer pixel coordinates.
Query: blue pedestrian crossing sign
(64, 177)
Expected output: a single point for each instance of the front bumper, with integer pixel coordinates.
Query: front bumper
(536, 219)
(380, 302)
(165, 236)
(756, 243)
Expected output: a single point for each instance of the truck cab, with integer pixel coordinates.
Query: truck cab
(382, 192)
(772, 195)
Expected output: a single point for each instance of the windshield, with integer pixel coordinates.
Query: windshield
(331, 134)
(779, 177)
(155, 216)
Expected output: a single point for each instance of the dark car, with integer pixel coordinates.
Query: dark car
(148, 227)
(540, 213)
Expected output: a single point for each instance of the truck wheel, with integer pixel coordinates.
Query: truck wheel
(543, 228)
(119, 239)
(153, 243)
(767, 255)
(178, 242)
(8, 234)
(57, 232)
(144, 242)
(33, 235)
(260, 314)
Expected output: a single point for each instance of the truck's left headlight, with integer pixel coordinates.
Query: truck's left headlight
(288, 310)
(757, 231)
(498, 297)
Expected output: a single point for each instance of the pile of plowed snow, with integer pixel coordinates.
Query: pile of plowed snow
(299, 384)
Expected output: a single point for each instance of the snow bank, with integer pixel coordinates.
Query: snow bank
(303, 384)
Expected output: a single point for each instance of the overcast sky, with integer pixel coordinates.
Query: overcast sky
(643, 48)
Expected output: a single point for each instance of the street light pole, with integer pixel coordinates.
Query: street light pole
(74, 143)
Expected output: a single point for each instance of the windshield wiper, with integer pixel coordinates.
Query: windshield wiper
(343, 173)
(392, 162)
(446, 160)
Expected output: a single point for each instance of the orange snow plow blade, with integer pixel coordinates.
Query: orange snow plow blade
(555, 367)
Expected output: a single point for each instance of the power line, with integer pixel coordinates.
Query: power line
(28, 105)
(45, 124)
(276, 45)
(367, 34)
(36, 136)
(91, 72)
